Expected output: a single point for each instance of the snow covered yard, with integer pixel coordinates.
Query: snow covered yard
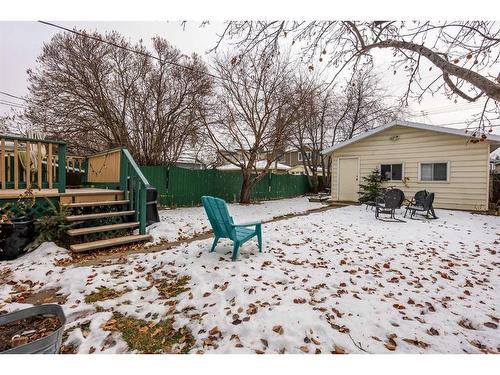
(332, 281)
(181, 223)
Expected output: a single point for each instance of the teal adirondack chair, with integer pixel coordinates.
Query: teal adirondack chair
(224, 227)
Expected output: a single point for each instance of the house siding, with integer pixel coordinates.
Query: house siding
(467, 187)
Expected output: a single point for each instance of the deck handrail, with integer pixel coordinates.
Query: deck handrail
(136, 184)
(14, 137)
(17, 155)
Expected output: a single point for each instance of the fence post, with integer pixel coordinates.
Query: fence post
(61, 162)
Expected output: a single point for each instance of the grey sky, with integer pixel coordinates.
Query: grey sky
(21, 43)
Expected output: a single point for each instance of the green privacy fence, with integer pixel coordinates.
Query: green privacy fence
(185, 187)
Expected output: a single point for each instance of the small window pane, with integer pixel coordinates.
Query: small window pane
(397, 172)
(440, 171)
(426, 172)
(385, 172)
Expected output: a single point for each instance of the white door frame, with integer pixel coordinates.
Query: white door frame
(338, 172)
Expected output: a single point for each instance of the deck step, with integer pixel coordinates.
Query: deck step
(99, 216)
(91, 204)
(86, 246)
(102, 228)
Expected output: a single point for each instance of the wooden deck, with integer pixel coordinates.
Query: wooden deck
(15, 193)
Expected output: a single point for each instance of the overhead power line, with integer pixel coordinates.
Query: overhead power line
(10, 104)
(12, 96)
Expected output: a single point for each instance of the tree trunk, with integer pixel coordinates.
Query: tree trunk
(313, 183)
(246, 189)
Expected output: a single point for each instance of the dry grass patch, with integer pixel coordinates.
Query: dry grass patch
(150, 337)
(172, 288)
(103, 294)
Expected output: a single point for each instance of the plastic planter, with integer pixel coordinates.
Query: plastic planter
(15, 236)
(46, 345)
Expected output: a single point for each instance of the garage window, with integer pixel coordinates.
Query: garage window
(434, 172)
(391, 172)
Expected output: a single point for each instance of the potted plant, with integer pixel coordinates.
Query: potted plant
(35, 330)
(17, 226)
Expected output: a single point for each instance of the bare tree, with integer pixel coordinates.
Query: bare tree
(99, 91)
(465, 53)
(362, 105)
(335, 115)
(313, 127)
(253, 111)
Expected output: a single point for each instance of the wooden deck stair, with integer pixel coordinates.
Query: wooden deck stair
(104, 220)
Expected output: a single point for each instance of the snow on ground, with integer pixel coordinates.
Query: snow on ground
(336, 280)
(180, 223)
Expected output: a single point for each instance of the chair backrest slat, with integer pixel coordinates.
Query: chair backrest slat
(420, 197)
(394, 198)
(429, 200)
(218, 215)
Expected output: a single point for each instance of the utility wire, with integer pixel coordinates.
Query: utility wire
(10, 104)
(12, 96)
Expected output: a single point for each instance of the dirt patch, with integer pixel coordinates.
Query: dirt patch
(24, 331)
(51, 295)
(103, 294)
(151, 337)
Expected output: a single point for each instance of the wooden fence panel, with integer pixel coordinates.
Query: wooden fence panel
(185, 187)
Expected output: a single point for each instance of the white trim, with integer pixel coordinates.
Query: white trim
(488, 149)
(391, 163)
(338, 172)
(448, 171)
(416, 125)
(307, 153)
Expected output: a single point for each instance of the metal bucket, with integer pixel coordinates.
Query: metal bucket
(46, 345)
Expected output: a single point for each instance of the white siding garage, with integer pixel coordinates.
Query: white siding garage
(414, 157)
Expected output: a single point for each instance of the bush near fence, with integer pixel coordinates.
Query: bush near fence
(185, 187)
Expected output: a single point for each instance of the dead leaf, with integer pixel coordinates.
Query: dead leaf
(416, 342)
(338, 350)
(278, 329)
(432, 332)
(214, 331)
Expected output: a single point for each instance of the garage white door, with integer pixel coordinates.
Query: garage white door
(348, 179)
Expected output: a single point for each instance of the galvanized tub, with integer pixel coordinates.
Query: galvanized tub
(46, 345)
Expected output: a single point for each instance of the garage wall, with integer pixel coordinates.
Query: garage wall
(467, 187)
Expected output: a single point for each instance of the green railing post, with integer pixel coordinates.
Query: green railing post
(86, 173)
(123, 170)
(61, 162)
(142, 209)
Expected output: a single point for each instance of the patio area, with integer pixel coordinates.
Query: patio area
(336, 281)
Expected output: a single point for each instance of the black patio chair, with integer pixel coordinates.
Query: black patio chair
(417, 200)
(392, 200)
(425, 206)
(371, 203)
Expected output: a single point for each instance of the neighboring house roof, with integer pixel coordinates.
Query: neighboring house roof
(416, 125)
(300, 168)
(261, 164)
(189, 157)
